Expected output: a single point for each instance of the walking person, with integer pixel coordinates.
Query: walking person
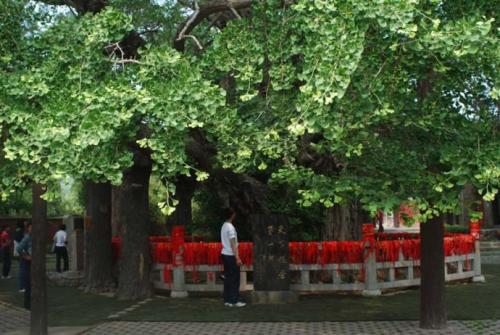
(24, 250)
(60, 242)
(18, 237)
(231, 261)
(5, 250)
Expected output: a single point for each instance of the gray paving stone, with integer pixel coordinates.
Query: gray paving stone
(293, 328)
(12, 318)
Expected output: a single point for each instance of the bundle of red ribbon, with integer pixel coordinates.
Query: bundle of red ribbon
(411, 249)
(329, 252)
(458, 245)
(387, 251)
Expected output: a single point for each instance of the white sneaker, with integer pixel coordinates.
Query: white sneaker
(22, 291)
(227, 304)
(240, 304)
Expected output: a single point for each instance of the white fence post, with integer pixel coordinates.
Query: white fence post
(475, 231)
(478, 277)
(178, 284)
(371, 284)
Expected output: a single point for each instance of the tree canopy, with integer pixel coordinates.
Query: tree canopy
(380, 101)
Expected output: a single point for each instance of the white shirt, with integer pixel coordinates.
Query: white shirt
(228, 232)
(60, 238)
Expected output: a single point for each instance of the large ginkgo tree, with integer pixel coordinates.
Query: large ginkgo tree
(375, 101)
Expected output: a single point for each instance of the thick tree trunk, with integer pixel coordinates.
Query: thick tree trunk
(115, 222)
(342, 223)
(98, 253)
(39, 248)
(271, 269)
(432, 289)
(488, 216)
(468, 197)
(135, 259)
(335, 226)
(496, 210)
(358, 217)
(184, 191)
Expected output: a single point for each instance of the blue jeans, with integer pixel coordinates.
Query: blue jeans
(21, 275)
(25, 276)
(26, 282)
(231, 279)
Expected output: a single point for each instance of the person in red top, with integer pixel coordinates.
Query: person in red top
(5, 247)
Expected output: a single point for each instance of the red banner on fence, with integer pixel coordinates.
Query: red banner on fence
(178, 245)
(178, 253)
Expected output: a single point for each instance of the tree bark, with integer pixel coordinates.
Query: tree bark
(432, 288)
(98, 253)
(488, 216)
(358, 217)
(184, 191)
(271, 269)
(468, 197)
(132, 202)
(201, 13)
(38, 322)
(115, 221)
(496, 210)
(342, 223)
(336, 225)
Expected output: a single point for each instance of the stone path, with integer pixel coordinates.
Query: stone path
(12, 318)
(130, 309)
(486, 327)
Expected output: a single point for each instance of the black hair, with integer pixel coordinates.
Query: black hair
(227, 213)
(62, 226)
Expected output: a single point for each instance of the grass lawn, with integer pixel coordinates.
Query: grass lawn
(465, 302)
(71, 307)
(67, 306)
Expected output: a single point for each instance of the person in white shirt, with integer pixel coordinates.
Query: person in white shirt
(60, 242)
(231, 261)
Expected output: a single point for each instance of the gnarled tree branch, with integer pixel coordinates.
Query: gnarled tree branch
(201, 12)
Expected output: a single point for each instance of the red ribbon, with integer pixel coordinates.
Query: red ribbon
(411, 249)
(388, 251)
(368, 231)
(475, 229)
(167, 275)
(210, 276)
(245, 251)
(327, 252)
(178, 252)
(116, 248)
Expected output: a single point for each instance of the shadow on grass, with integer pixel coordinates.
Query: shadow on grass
(71, 307)
(465, 302)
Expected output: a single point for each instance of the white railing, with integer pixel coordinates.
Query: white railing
(369, 277)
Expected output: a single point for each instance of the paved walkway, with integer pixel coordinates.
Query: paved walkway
(14, 320)
(292, 328)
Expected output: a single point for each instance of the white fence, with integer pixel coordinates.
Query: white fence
(369, 277)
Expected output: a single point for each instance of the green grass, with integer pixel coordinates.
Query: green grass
(465, 302)
(71, 307)
(66, 306)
